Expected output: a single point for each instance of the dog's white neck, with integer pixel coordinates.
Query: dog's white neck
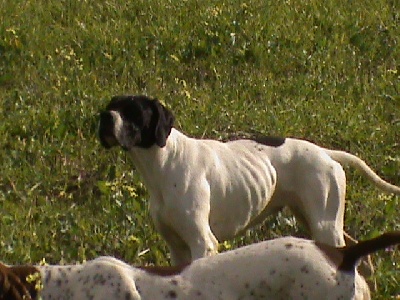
(152, 161)
(156, 155)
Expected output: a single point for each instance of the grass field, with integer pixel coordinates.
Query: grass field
(326, 71)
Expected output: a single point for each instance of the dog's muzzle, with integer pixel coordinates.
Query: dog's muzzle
(106, 130)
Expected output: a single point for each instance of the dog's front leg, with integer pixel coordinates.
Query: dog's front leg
(188, 218)
(179, 250)
(186, 245)
(205, 244)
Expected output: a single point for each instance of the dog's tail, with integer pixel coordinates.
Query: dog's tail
(345, 158)
(352, 254)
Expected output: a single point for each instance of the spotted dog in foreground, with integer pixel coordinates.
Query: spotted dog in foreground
(205, 191)
(284, 268)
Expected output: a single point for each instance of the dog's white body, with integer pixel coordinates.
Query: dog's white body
(284, 268)
(204, 191)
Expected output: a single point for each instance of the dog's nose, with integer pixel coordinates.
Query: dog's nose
(106, 118)
(106, 130)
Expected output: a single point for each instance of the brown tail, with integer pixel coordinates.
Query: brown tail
(13, 282)
(352, 254)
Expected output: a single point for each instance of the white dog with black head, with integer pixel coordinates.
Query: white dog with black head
(205, 191)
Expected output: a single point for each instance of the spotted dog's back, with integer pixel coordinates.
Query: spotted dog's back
(288, 267)
(102, 278)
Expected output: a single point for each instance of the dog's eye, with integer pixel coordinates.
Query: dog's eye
(132, 117)
(134, 128)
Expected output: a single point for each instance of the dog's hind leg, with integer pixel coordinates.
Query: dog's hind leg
(325, 215)
(322, 204)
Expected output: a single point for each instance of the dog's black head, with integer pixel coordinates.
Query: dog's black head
(135, 121)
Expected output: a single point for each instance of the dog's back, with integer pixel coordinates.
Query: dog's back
(284, 268)
(287, 268)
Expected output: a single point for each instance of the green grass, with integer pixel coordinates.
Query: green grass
(326, 71)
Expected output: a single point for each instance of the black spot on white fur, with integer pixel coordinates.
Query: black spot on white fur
(270, 141)
(288, 246)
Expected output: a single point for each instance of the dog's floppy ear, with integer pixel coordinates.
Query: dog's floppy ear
(164, 123)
